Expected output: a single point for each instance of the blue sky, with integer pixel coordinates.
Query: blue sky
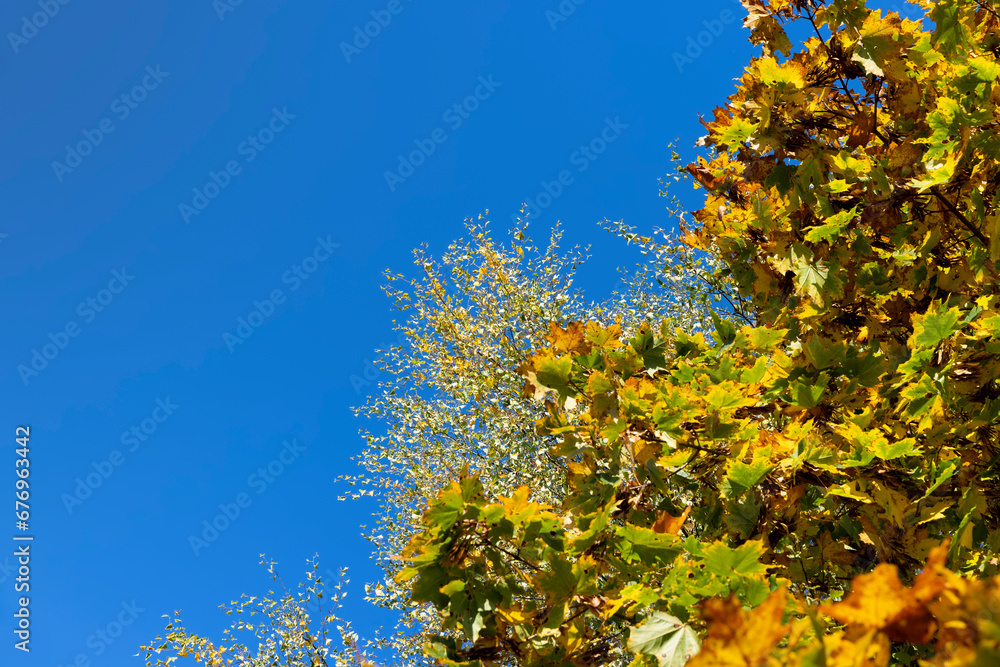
(177, 175)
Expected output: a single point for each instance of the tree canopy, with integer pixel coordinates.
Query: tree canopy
(450, 394)
(805, 474)
(833, 469)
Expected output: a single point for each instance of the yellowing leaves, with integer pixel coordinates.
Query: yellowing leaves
(879, 601)
(740, 638)
(789, 73)
(882, 46)
(728, 396)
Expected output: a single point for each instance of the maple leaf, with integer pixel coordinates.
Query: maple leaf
(671, 525)
(879, 601)
(666, 638)
(741, 638)
(569, 338)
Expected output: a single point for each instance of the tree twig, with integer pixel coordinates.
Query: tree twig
(961, 216)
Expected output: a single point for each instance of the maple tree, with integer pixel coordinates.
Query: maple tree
(450, 398)
(819, 485)
(813, 479)
(450, 395)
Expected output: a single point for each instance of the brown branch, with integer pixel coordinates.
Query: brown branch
(961, 216)
(486, 542)
(847, 91)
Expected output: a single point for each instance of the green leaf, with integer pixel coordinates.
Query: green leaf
(806, 395)
(727, 396)
(742, 516)
(559, 582)
(724, 561)
(932, 328)
(947, 26)
(887, 451)
(643, 544)
(666, 638)
(765, 338)
(737, 132)
(744, 476)
(755, 374)
(724, 332)
(453, 587)
(554, 373)
(832, 228)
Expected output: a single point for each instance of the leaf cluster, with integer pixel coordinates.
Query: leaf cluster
(833, 442)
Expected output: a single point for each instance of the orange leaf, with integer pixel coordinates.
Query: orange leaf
(671, 525)
(569, 339)
(705, 177)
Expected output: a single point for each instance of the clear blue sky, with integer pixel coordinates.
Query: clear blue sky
(129, 284)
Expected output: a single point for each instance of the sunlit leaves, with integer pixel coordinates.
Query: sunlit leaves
(737, 637)
(456, 389)
(931, 328)
(723, 560)
(666, 638)
(287, 627)
(826, 433)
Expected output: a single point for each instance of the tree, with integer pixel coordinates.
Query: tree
(291, 628)
(818, 486)
(451, 395)
(451, 400)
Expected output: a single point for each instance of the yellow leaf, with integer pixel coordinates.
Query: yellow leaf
(738, 638)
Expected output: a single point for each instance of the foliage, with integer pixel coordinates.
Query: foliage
(294, 629)
(852, 188)
(453, 400)
(451, 394)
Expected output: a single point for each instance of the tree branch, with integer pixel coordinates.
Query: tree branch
(958, 214)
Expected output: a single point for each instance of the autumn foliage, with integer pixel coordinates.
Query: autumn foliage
(820, 489)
